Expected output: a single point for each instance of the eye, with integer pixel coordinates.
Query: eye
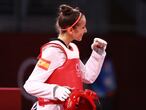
(83, 27)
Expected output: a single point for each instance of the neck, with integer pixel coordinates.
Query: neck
(65, 38)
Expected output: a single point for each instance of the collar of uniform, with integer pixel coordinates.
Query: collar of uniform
(58, 40)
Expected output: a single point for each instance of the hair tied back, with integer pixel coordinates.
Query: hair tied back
(65, 10)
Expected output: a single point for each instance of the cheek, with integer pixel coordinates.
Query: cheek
(78, 33)
(79, 36)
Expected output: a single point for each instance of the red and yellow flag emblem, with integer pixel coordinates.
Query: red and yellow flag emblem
(44, 64)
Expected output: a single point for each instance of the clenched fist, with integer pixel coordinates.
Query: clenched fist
(99, 45)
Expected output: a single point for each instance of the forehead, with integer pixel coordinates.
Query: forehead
(82, 21)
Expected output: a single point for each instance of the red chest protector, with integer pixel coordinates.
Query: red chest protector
(69, 74)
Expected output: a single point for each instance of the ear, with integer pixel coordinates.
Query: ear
(70, 30)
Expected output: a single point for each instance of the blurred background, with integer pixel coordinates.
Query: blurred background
(25, 25)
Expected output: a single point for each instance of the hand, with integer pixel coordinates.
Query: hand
(99, 45)
(61, 93)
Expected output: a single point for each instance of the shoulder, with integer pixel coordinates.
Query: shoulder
(51, 51)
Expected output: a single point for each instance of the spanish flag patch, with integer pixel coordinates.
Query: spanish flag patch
(44, 64)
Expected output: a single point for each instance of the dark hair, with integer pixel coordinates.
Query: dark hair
(67, 16)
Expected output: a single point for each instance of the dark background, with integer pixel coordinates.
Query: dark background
(25, 25)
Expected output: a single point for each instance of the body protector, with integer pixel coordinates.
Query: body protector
(69, 73)
(82, 100)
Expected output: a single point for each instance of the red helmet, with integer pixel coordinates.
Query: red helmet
(82, 100)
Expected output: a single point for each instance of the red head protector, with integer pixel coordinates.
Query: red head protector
(82, 100)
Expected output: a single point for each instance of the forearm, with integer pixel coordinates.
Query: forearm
(40, 89)
(93, 67)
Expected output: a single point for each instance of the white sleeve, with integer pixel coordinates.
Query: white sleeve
(92, 67)
(35, 85)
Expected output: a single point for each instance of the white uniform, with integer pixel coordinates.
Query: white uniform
(35, 84)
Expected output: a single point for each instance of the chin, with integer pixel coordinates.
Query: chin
(79, 39)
